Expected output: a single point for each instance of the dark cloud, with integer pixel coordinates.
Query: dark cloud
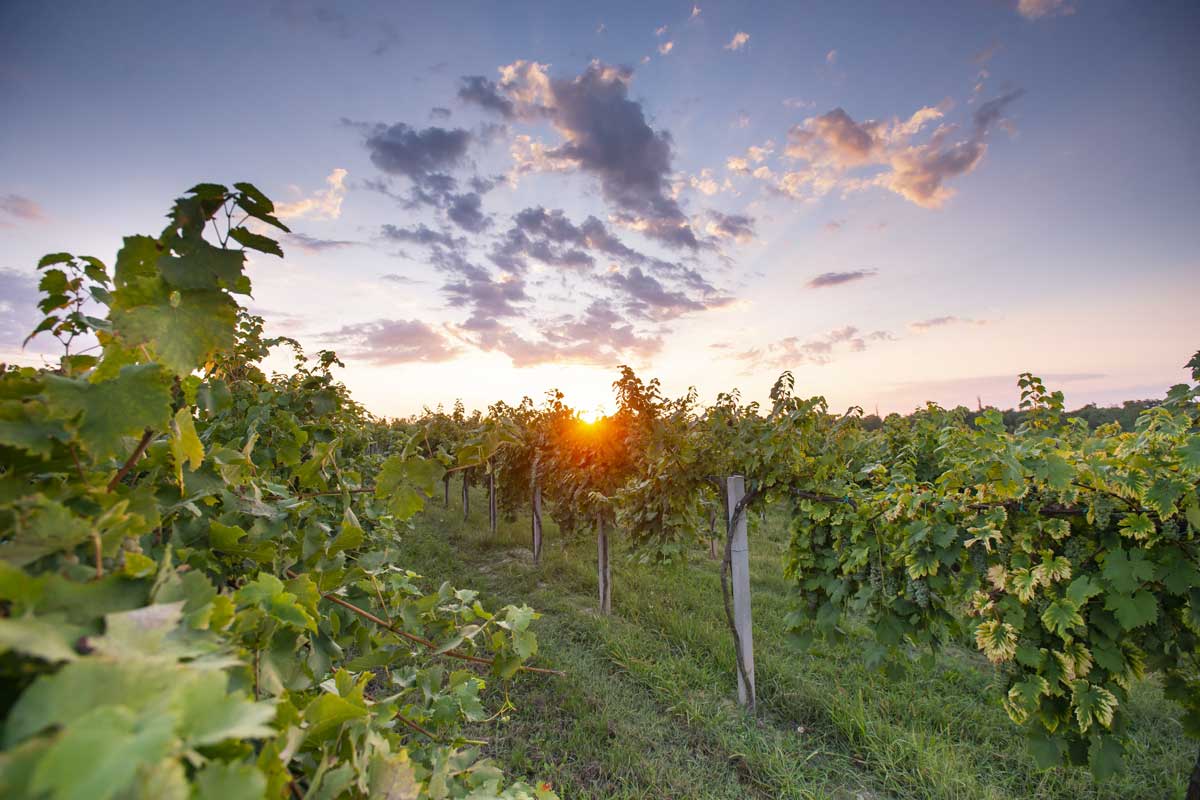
(605, 134)
(599, 337)
(650, 298)
(311, 244)
(738, 227)
(827, 279)
(419, 234)
(465, 211)
(422, 156)
(394, 341)
(437, 112)
(485, 94)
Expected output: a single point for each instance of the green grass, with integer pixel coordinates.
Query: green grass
(648, 709)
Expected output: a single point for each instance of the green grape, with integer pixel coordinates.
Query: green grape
(979, 558)
(918, 592)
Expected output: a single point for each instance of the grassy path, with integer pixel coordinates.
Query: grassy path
(647, 709)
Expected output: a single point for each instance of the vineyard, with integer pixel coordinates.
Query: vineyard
(218, 583)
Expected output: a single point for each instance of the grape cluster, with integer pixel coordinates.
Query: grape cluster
(918, 592)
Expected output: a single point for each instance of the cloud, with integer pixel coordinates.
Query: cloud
(738, 227)
(19, 315)
(394, 341)
(791, 352)
(465, 211)
(323, 204)
(833, 226)
(311, 244)
(20, 207)
(1036, 9)
(827, 279)
(695, 12)
(393, 277)
(831, 57)
(437, 112)
(660, 30)
(605, 134)
(419, 234)
(665, 48)
(798, 102)
(416, 154)
(599, 337)
(831, 147)
(484, 93)
(738, 41)
(941, 322)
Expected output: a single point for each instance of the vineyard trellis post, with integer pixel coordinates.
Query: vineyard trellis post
(536, 518)
(603, 566)
(491, 501)
(446, 490)
(466, 498)
(739, 569)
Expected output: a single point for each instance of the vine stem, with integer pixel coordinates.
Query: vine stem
(362, 612)
(133, 459)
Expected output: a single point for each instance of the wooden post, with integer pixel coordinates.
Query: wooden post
(603, 567)
(740, 575)
(466, 497)
(537, 518)
(492, 502)
(446, 490)
(713, 540)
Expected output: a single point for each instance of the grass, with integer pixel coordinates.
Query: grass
(648, 709)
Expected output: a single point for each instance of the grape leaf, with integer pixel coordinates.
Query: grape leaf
(103, 414)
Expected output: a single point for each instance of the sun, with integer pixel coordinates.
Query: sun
(590, 416)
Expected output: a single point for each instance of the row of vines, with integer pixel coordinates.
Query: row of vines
(202, 595)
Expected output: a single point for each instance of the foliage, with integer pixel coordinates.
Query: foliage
(198, 588)
(1069, 555)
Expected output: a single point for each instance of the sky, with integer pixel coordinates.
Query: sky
(899, 203)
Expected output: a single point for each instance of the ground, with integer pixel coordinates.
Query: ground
(647, 708)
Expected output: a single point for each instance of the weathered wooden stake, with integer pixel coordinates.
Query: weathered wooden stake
(446, 490)
(740, 574)
(537, 519)
(492, 502)
(604, 568)
(713, 539)
(466, 498)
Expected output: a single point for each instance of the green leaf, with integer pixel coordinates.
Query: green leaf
(104, 414)
(1125, 570)
(210, 714)
(98, 754)
(219, 780)
(184, 328)
(1189, 453)
(1081, 590)
(185, 444)
(1106, 757)
(203, 266)
(1046, 750)
(1061, 616)
(326, 714)
(255, 241)
(45, 638)
(50, 527)
(1133, 611)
